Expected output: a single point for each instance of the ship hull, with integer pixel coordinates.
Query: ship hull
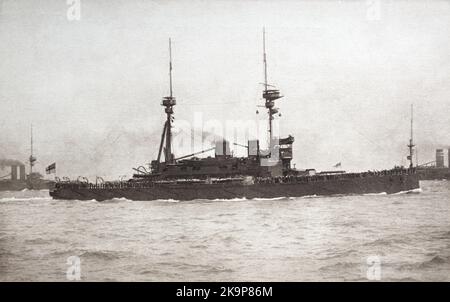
(371, 184)
(22, 185)
(12, 185)
(433, 173)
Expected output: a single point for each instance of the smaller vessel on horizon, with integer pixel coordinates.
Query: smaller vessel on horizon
(17, 179)
(435, 170)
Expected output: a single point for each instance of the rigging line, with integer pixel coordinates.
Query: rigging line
(5, 175)
(265, 59)
(208, 104)
(170, 66)
(398, 125)
(109, 141)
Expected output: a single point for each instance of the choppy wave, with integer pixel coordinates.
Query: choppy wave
(124, 199)
(226, 199)
(443, 235)
(270, 199)
(334, 254)
(91, 254)
(101, 255)
(405, 279)
(226, 214)
(115, 200)
(308, 240)
(13, 199)
(374, 194)
(40, 240)
(386, 242)
(340, 266)
(435, 261)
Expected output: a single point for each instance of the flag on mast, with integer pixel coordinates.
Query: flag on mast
(51, 169)
(338, 165)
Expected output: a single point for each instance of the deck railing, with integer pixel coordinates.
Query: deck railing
(257, 180)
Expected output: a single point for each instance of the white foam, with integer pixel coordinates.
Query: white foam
(117, 199)
(417, 190)
(375, 194)
(229, 199)
(269, 199)
(168, 200)
(23, 198)
(310, 196)
(28, 190)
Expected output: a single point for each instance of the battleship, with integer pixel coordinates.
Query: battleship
(263, 173)
(13, 176)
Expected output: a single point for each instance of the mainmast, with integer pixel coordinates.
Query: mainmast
(170, 66)
(269, 95)
(168, 102)
(32, 158)
(411, 145)
(265, 59)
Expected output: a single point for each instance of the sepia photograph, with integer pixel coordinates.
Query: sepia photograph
(224, 141)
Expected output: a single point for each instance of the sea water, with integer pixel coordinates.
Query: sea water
(399, 237)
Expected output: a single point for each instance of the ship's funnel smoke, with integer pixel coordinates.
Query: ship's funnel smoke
(195, 136)
(10, 162)
(211, 138)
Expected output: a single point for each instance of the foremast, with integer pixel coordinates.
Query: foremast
(32, 158)
(269, 95)
(168, 102)
(411, 144)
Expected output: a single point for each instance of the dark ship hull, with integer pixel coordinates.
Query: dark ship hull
(9, 185)
(298, 187)
(435, 170)
(433, 173)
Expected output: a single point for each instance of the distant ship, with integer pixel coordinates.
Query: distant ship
(261, 174)
(435, 170)
(16, 178)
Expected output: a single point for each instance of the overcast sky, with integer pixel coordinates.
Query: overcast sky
(349, 71)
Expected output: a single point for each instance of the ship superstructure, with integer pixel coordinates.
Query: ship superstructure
(223, 164)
